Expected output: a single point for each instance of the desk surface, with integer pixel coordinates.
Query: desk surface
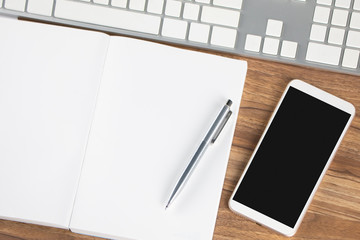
(335, 211)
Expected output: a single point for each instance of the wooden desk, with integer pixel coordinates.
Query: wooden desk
(335, 210)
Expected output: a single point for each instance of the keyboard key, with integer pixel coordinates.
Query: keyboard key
(271, 46)
(228, 3)
(336, 35)
(339, 17)
(41, 7)
(155, 6)
(102, 15)
(203, 1)
(274, 28)
(351, 58)
(356, 5)
(324, 2)
(322, 53)
(220, 16)
(199, 32)
(318, 32)
(288, 49)
(252, 43)
(224, 37)
(119, 3)
(104, 2)
(18, 5)
(355, 20)
(191, 11)
(343, 3)
(137, 5)
(353, 39)
(174, 28)
(173, 8)
(321, 14)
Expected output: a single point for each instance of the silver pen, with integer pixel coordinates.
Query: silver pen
(210, 137)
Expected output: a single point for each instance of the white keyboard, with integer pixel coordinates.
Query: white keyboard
(319, 33)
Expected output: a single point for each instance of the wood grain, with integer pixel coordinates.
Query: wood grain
(335, 210)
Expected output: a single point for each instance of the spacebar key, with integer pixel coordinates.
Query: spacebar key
(100, 15)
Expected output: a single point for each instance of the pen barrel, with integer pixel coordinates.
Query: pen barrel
(188, 171)
(194, 161)
(215, 127)
(210, 137)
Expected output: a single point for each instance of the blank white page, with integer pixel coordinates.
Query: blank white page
(49, 78)
(155, 105)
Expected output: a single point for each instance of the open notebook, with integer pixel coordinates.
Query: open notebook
(95, 131)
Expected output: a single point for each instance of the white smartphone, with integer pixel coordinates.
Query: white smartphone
(291, 157)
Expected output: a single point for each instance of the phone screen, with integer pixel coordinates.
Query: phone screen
(291, 157)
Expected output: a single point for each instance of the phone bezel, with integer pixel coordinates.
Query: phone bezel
(263, 219)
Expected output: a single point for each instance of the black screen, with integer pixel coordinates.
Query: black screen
(291, 157)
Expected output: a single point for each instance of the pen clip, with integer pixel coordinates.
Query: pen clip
(221, 126)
